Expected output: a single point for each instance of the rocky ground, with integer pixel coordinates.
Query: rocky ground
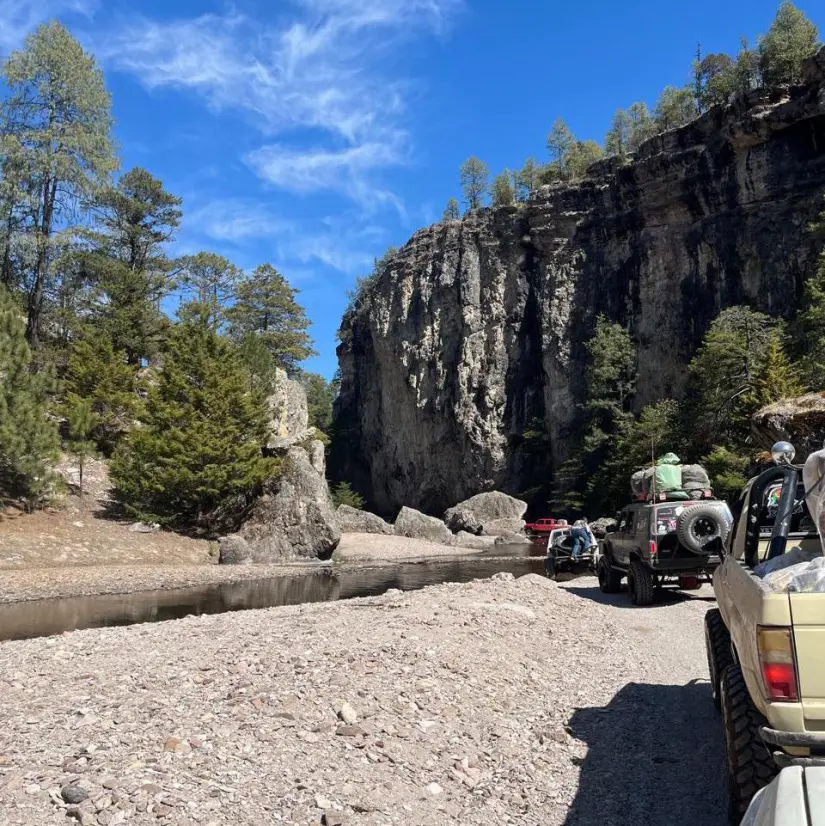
(496, 702)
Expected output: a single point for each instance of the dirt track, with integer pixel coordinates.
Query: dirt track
(495, 702)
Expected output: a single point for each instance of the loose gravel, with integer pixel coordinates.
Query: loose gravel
(495, 702)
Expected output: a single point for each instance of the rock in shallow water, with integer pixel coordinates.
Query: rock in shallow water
(416, 525)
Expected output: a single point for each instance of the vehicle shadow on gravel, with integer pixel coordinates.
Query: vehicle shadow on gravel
(655, 757)
(621, 600)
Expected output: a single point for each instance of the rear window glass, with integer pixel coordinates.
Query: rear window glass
(801, 521)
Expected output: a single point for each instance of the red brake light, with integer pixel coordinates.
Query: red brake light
(780, 679)
(653, 549)
(778, 661)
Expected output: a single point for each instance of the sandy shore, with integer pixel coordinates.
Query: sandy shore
(489, 703)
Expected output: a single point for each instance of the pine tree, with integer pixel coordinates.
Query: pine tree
(343, 494)
(98, 375)
(716, 79)
(451, 212)
(528, 178)
(474, 175)
(265, 305)
(560, 142)
(642, 125)
(28, 439)
(199, 448)
(209, 279)
(722, 374)
(674, 108)
(56, 123)
(128, 265)
(776, 379)
(790, 41)
(617, 141)
(320, 397)
(580, 158)
(502, 192)
(81, 425)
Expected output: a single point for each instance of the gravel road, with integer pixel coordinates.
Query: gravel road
(499, 701)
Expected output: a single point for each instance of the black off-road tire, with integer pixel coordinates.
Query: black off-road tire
(610, 580)
(717, 645)
(750, 765)
(640, 584)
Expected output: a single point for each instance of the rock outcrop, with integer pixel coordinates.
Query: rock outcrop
(487, 513)
(475, 332)
(295, 517)
(417, 525)
(352, 520)
(288, 412)
(799, 421)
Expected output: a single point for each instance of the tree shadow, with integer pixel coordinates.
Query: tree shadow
(664, 598)
(655, 757)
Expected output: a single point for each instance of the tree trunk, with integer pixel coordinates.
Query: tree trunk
(41, 271)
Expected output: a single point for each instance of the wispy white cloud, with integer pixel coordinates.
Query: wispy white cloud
(313, 80)
(20, 17)
(342, 242)
(234, 221)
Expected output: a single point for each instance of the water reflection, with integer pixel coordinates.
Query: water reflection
(40, 618)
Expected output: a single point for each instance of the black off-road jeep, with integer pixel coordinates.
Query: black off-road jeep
(657, 544)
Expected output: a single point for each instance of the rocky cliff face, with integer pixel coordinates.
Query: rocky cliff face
(477, 327)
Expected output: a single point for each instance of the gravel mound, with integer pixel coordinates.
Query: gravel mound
(495, 702)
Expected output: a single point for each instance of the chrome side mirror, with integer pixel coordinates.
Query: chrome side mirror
(783, 453)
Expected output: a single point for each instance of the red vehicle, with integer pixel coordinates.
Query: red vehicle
(545, 525)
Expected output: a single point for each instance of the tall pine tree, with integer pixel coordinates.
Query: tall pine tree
(28, 439)
(266, 306)
(56, 125)
(128, 264)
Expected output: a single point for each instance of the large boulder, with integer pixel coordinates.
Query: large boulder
(491, 513)
(470, 540)
(800, 421)
(416, 525)
(352, 520)
(288, 412)
(294, 517)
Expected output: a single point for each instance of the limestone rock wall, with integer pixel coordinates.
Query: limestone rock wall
(477, 327)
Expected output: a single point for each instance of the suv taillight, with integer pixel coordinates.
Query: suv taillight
(778, 661)
(653, 549)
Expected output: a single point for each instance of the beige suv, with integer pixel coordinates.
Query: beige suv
(766, 649)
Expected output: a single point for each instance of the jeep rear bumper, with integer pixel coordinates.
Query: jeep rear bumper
(811, 740)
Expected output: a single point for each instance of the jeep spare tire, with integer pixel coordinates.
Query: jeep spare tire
(699, 524)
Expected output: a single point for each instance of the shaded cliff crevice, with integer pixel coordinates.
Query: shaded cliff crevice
(477, 327)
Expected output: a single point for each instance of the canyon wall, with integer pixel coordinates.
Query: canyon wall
(477, 327)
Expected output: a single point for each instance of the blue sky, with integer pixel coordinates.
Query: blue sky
(315, 133)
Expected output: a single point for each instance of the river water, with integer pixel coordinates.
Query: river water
(40, 618)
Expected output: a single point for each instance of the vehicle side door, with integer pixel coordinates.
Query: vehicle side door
(620, 538)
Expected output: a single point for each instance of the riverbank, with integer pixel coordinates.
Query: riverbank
(487, 703)
(18, 584)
